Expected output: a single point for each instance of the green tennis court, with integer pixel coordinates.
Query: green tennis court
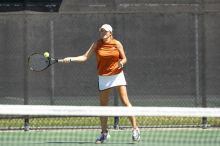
(77, 137)
(49, 127)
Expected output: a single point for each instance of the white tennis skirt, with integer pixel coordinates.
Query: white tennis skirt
(106, 82)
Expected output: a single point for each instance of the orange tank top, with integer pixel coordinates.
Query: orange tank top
(107, 58)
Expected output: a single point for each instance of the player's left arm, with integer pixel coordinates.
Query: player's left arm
(123, 58)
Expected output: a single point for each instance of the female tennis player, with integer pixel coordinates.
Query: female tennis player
(110, 57)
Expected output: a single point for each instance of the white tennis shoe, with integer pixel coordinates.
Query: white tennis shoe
(102, 137)
(136, 135)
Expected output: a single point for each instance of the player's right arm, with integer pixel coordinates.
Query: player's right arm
(82, 58)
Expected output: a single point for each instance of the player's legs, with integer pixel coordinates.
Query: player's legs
(122, 90)
(104, 98)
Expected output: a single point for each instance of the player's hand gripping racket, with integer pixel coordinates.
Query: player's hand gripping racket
(39, 62)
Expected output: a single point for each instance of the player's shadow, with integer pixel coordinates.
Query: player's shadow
(88, 142)
(70, 142)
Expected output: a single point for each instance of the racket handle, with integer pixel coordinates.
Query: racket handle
(60, 61)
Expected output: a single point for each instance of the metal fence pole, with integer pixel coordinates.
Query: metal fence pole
(26, 99)
(52, 71)
(202, 56)
(116, 119)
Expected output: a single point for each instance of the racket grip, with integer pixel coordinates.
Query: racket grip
(60, 60)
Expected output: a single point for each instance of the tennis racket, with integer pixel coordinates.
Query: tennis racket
(37, 62)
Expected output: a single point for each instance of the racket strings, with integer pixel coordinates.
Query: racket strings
(38, 62)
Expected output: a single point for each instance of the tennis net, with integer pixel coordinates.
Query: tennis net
(80, 125)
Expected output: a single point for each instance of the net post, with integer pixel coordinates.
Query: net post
(26, 123)
(204, 122)
(116, 119)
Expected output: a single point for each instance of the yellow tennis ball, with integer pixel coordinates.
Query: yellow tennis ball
(46, 54)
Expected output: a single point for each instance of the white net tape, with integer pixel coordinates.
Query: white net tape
(41, 110)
